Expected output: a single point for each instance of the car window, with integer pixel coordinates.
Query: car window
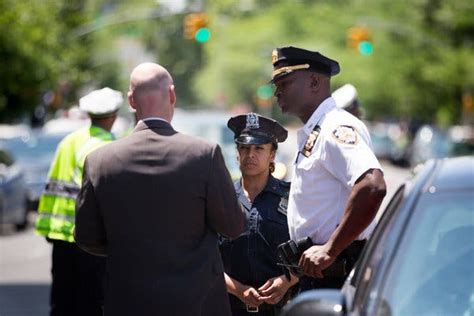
(376, 249)
(5, 158)
(432, 271)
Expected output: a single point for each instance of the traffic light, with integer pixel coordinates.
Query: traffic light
(264, 95)
(360, 39)
(195, 27)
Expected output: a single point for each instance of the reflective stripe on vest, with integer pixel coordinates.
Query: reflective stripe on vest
(64, 189)
(57, 204)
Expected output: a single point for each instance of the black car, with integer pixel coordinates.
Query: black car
(420, 258)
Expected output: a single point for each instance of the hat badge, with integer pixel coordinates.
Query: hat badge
(252, 121)
(274, 56)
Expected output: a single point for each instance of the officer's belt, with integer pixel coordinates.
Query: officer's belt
(238, 304)
(344, 262)
(353, 250)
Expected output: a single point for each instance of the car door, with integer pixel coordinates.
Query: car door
(12, 190)
(365, 276)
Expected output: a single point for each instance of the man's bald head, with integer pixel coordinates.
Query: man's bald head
(151, 91)
(148, 77)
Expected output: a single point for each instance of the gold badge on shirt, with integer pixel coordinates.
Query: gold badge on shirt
(308, 146)
(345, 134)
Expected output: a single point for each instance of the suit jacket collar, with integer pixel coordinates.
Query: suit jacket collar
(152, 124)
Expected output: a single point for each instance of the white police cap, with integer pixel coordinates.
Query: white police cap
(101, 103)
(345, 96)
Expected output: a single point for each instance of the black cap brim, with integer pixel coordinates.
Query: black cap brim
(253, 140)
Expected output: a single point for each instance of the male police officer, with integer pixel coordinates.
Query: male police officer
(77, 276)
(337, 184)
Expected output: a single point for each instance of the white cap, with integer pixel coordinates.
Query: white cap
(345, 95)
(101, 103)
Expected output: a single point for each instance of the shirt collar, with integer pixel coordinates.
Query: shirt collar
(97, 130)
(272, 186)
(317, 115)
(153, 118)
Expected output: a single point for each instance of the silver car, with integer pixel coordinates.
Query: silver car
(13, 192)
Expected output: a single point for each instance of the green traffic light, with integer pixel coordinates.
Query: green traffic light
(366, 48)
(202, 35)
(265, 92)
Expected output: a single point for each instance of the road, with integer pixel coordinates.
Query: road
(24, 272)
(25, 262)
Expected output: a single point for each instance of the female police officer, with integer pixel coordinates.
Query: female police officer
(254, 279)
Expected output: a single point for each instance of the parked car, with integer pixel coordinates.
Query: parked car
(13, 192)
(34, 154)
(420, 258)
(431, 142)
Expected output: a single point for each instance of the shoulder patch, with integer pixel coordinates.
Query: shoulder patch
(345, 134)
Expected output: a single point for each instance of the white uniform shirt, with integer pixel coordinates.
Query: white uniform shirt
(322, 182)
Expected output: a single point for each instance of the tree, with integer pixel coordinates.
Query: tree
(41, 52)
(419, 66)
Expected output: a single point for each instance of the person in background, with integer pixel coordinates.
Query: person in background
(346, 99)
(77, 277)
(256, 283)
(338, 183)
(153, 203)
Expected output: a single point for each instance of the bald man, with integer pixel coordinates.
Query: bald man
(153, 203)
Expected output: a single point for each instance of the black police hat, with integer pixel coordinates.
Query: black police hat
(285, 60)
(254, 129)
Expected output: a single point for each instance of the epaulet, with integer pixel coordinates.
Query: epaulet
(285, 187)
(285, 184)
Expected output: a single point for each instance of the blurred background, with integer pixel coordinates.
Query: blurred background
(412, 63)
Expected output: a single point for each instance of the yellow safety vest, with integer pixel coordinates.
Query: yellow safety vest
(57, 203)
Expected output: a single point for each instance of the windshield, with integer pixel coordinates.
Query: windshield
(432, 272)
(33, 150)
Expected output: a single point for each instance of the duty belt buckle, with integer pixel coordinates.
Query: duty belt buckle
(251, 309)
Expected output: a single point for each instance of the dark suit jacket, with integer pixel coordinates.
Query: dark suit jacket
(152, 203)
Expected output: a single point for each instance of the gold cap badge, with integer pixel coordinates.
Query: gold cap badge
(274, 56)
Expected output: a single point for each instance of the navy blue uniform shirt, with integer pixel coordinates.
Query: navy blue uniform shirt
(252, 258)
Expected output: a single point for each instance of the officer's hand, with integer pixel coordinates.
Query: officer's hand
(314, 260)
(274, 289)
(250, 296)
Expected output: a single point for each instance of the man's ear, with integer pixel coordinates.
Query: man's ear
(315, 82)
(131, 101)
(172, 94)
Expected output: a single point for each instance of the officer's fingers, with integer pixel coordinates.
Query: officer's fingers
(315, 270)
(268, 291)
(302, 260)
(317, 273)
(266, 285)
(254, 293)
(254, 301)
(251, 300)
(306, 266)
(274, 299)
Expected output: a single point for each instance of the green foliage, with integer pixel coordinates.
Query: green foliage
(41, 52)
(420, 67)
(421, 63)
